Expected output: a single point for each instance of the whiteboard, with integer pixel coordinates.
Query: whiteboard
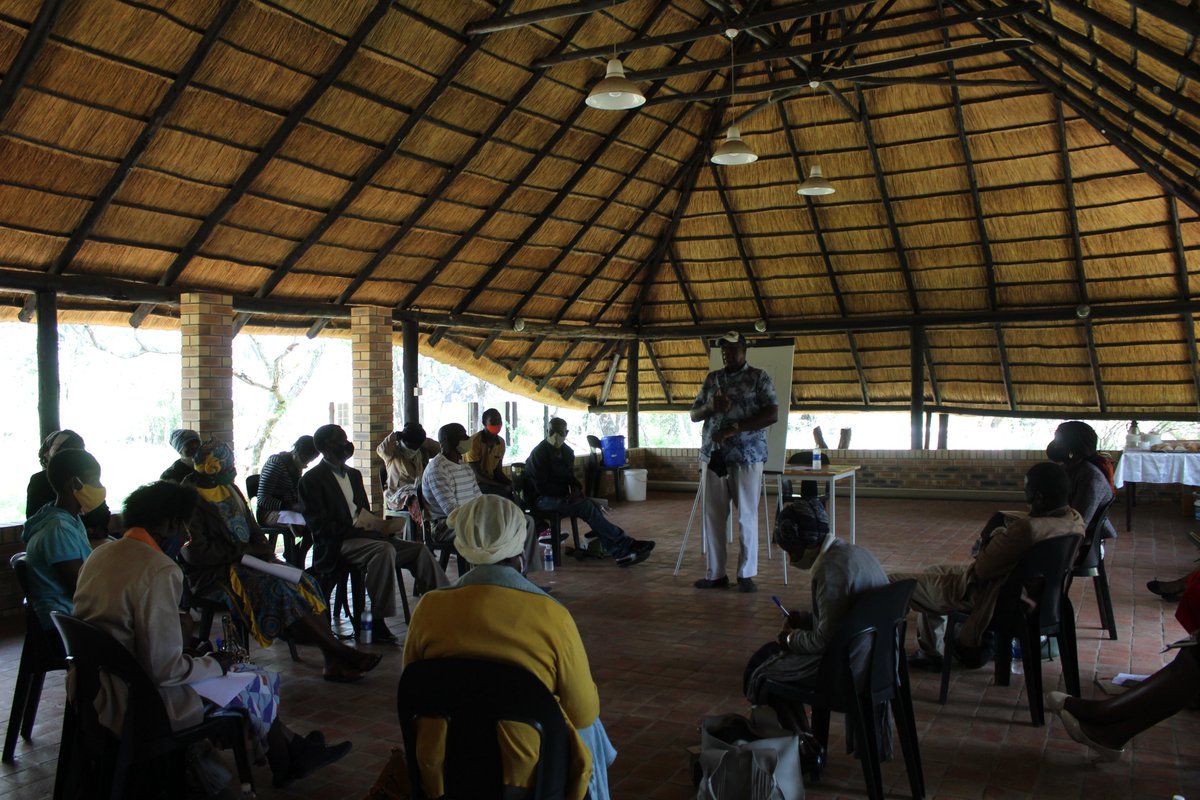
(775, 357)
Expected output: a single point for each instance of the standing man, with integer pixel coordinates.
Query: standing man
(486, 456)
(736, 404)
(551, 465)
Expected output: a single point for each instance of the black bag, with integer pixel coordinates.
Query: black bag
(716, 463)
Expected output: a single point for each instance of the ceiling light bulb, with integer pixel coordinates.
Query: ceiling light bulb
(760, 325)
(1083, 312)
(518, 325)
(816, 183)
(733, 150)
(814, 84)
(615, 92)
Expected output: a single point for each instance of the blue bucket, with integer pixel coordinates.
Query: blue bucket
(613, 448)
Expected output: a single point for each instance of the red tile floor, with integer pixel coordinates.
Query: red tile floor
(665, 655)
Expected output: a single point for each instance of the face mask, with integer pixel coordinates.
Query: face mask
(1056, 451)
(349, 449)
(556, 439)
(90, 497)
(464, 447)
(189, 460)
(494, 429)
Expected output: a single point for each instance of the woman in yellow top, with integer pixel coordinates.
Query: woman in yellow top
(494, 612)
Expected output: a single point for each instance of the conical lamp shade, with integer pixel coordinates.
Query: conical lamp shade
(816, 183)
(615, 92)
(733, 150)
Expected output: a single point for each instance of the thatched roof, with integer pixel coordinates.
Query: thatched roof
(305, 155)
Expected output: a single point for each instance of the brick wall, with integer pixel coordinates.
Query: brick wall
(930, 473)
(371, 353)
(206, 326)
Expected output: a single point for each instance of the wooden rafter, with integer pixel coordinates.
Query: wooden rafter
(63, 262)
(881, 183)
(858, 368)
(295, 116)
(684, 289)
(485, 344)
(414, 117)
(927, 354)
(743, 253)
(436, 336)
(501, 22)
(1094, 360)
(554, 368)
(31, 46)
(1010, 396)
(606, 389)
(519, 367)
(1139, 44)
(662, 379)
(589, 369)
(1183, 282)
(1064, 152)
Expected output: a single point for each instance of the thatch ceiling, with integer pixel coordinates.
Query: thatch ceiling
(304, 155)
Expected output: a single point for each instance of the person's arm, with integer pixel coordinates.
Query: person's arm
(389, 447)
(830, 604)
(67, 573)
(158, 636)
(1003, 549)
(703, 407)
(576, 690)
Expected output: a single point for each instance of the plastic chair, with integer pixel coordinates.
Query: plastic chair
(524, 495)
(472, 695)
(42, 652)
(1090, 564)
(1042, 573)
(295, 545)
(596, 469)
(802, 458)
(93, 761)
(443, 549)
(863, 667)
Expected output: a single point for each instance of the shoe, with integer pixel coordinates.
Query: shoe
(925, 661)
(746, 586)
(1075, 731)
(715, 583)
(1155, 587)
(638, 552)
(1055, 701)
(383, 637)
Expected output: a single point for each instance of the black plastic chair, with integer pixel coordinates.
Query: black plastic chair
(595, 471)
(1042, 574)
(863, 667)
(95, 762)
(42, 652)
(523, 495)
(1090, 564)
(472, 695)
(295, 545)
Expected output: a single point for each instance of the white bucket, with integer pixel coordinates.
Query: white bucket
(635, 485)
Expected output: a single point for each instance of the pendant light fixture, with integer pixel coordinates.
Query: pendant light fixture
(733, 150)
(615, 92)
(816, 183)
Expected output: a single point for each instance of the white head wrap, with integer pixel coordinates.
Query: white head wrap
(488, 529)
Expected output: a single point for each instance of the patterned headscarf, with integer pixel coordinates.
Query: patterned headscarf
(214, 460)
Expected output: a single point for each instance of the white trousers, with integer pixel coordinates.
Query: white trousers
(741, 486)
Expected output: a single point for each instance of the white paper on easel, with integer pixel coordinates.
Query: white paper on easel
(284, 571)
(223, 689)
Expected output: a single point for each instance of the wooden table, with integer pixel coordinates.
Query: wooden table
(831, 475)
(1148, 466)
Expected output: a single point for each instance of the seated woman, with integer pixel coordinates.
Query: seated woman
(514, 621)
(222, 531)
(1091, 474)
(131, 589)
(56, 543)
(40, 491)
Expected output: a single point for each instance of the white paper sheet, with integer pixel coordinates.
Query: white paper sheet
(287, 573)
(368, 520)
(223, 689)
(1124, 678)
(290, 518)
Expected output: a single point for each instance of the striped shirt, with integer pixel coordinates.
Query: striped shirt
(447, 485)
(277, 486)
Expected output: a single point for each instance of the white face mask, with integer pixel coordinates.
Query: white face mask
(556, 439)
(464, 447)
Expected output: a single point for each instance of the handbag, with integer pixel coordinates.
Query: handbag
(749, 759)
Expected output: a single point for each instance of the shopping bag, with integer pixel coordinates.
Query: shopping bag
(744, 761)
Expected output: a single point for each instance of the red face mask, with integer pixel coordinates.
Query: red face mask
(494, 429)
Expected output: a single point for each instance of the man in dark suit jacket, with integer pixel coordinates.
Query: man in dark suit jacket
(332, 494)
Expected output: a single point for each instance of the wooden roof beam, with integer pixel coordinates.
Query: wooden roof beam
(84, 229)
(368, 173)
(662, 379)
(858, 368)
(485, 344)
(684, 289)
(1094, 362)
(1072, 211)
(518, 369)
(1183, 282)
(500, 22)
(31, 47)
(588, 369)
(606, 389)
(278, 137)
(743, 254)
(545, 380)
(1010, 397)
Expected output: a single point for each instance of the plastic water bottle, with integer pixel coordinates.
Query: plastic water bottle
(365, 623)
(816, 464)
(548, 558)
(1018, 663)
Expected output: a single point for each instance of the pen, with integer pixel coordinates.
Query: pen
(775, 600)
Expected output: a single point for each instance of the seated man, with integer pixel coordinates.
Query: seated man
(405, 454)
(332, 495)
(486, 456)
(449, 484)
(551, 465)
(974, 588)
(186, 442)
(56, 543)
(131, 589)
(840, 572)
(511, 620)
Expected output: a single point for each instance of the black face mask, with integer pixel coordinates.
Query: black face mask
(349, 450)
(1057, 451)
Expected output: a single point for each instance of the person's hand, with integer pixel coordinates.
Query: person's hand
(720, 402)
(784, 632)
(224, 658)
(800, 620)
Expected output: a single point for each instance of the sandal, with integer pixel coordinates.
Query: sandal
(1155, 587)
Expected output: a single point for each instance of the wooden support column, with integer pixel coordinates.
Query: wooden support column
(631, 393)
(206, 333)
(410, 349)
(943, 424)
(917, 350)
(47, 362)
(371, 354)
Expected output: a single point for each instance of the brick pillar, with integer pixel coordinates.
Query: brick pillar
(371, 348)
(206, 325)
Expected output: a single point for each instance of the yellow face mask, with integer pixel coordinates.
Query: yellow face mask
(90, 497)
